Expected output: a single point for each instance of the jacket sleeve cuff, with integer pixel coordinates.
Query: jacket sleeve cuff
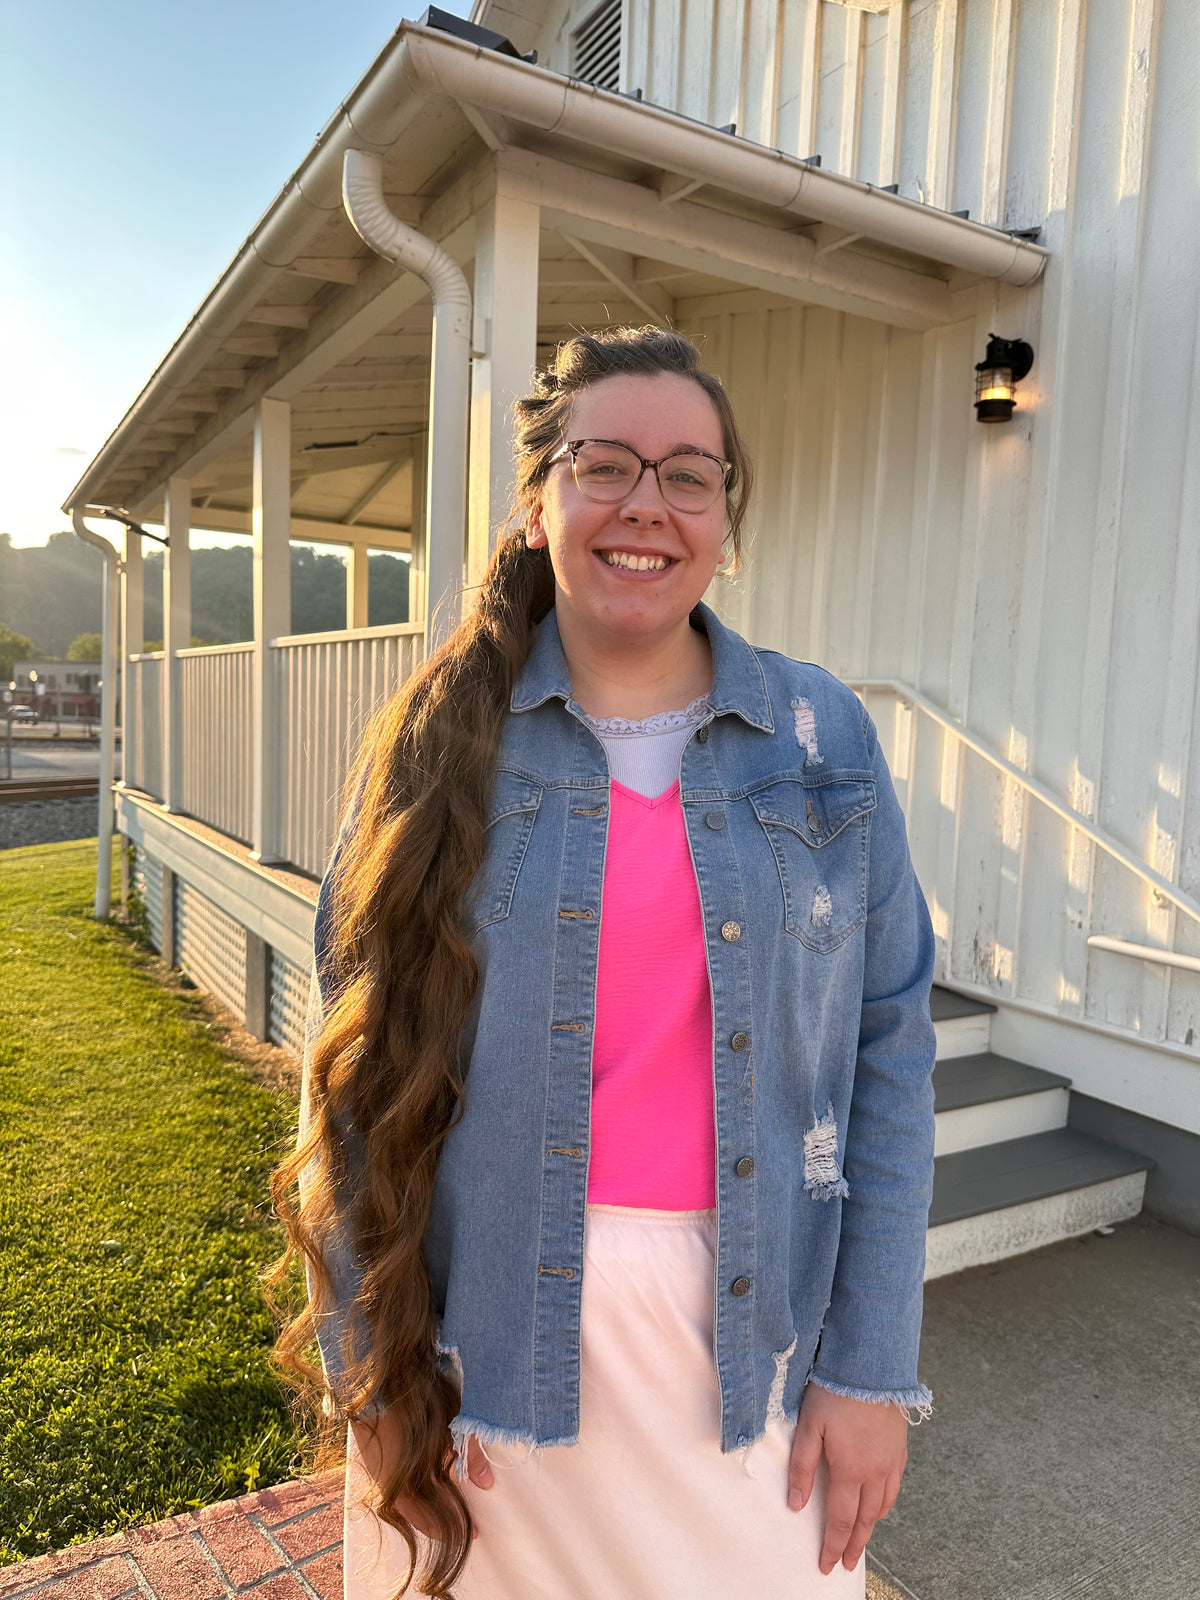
(919, 1399)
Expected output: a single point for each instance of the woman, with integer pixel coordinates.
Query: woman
(584, 1193)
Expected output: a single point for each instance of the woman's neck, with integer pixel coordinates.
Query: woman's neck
(637, 678)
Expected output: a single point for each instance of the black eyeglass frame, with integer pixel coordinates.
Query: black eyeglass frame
(573, 446)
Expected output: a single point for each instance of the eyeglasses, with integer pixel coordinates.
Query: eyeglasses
(608, 471)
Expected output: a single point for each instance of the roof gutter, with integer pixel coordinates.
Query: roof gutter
(450, 383)
(421, 64)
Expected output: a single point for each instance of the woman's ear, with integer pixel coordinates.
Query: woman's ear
(535, 532)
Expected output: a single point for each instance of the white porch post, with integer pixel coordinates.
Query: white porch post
(356, 586)
(271, 523)
(177, 634)
(417, 523)
(505, 345)
(132, 638)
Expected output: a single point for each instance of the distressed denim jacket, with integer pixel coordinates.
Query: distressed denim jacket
(820, 958)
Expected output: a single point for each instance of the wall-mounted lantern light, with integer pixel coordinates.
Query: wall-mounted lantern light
(1005, 363)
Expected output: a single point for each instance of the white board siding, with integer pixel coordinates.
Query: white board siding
(890, 539)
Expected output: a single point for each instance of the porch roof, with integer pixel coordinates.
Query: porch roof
(647, 215)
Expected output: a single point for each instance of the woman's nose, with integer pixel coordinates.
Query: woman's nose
(644, 502)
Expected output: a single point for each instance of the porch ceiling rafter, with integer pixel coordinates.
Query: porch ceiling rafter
(626, 216)
(618, 267)
(377, 486)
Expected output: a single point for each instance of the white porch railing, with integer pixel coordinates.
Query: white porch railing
(215, 703)
(141, 745)
(329, 685)
(943, 890)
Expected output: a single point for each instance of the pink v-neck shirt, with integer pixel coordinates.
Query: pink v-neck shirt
(653, 1137)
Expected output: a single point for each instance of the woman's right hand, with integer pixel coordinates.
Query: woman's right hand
(376, 1443)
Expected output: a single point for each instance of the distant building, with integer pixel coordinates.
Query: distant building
(58, 690)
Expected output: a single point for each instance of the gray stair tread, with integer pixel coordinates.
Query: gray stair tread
(993, 1176)
(977, 1080)
(946, 1004)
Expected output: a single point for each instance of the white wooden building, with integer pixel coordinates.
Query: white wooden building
(1018, 604)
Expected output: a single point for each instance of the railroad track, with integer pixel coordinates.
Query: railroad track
(49, 789)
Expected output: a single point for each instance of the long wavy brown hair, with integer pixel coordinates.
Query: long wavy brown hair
(384, 1083)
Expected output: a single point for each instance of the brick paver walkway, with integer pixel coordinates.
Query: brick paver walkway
(278, 1544)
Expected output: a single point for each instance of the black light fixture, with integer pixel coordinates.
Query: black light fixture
(1005, 363)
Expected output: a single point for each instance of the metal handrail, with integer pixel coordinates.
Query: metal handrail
(1144, 952)
(905, 691)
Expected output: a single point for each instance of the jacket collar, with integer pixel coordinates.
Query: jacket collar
(738, 683)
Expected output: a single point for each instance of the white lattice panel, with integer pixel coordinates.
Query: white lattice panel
(211, 948)
(146, 881)
(289, 1004)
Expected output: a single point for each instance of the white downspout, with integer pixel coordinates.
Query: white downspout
(449, 394)
(108, 711)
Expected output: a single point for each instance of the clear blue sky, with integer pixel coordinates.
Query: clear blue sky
(142, 143)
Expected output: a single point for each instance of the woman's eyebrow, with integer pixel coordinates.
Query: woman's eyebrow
(675, 450)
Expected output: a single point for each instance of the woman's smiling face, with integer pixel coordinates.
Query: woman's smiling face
(656, 417)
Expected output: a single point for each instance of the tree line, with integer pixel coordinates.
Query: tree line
(52, 593)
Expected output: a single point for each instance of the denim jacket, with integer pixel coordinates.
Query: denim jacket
(820, 958)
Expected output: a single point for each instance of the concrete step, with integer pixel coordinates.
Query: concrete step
(1002, 1199)
(987, 1099)
(963, 1026)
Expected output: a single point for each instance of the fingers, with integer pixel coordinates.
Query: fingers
(802, 1465)
(841, 1520)
(864, 1525)
(891, 1493)
(478, 1467)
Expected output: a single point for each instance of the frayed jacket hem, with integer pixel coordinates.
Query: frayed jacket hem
(919, 1399)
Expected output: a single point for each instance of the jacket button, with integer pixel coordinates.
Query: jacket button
(739, 1287)
(702, 735)
(715, 820)
(740, 1041)
(731, 932)
(744, 1167)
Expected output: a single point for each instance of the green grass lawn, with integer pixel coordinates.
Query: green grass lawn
(134, 1156)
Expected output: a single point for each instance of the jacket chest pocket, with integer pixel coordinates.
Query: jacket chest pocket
(512, 809)
(818, 834)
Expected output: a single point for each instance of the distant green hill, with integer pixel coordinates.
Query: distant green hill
(52, 592)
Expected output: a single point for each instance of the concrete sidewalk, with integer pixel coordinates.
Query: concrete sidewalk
(1062, 1461)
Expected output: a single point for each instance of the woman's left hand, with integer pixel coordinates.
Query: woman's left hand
(866, 1446)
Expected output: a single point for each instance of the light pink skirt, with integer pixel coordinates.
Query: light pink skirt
(644, 1506)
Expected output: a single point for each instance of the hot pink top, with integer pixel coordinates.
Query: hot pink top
(653, 1137)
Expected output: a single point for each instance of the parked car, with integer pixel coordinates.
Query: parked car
(22, 714)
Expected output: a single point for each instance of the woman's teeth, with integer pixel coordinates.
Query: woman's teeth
(631, 563)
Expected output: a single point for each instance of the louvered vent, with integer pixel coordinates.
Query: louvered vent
(596, 47)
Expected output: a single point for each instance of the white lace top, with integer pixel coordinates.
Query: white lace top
(644, 754)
